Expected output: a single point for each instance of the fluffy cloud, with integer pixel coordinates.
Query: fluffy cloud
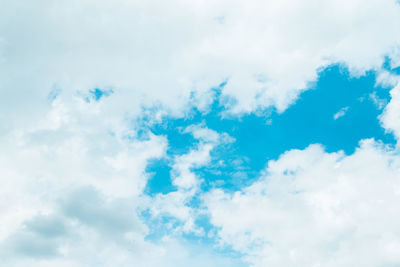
(89, 229)
(312, 208)
(68, 149)
(184, 177)
(72, 190)
(152, 52)
(391, 115)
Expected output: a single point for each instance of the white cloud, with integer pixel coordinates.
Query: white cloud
(71, 195)
(153, 52)
(390, 117)
(89, 230)
(184, 177)
(340, 113)
(167, 54)
(387, 79)
(313, 208)
(70, 148)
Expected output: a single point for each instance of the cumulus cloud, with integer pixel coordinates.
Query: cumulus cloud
(340, 113)
(88, 229)
(72, 191)
(391, 116)
(153, 52)
(184, 177)
(312, 208)
(72, 196)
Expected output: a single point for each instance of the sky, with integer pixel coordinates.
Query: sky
(199, 133)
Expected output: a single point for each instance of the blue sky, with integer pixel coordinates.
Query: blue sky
(232, 133)
(263, 137)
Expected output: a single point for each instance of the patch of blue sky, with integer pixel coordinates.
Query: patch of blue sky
(96, 94)
(54, 93)
(160, 182)
(260, 138)
(389, 66)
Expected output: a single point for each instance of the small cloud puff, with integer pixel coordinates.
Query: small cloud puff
(340, 113)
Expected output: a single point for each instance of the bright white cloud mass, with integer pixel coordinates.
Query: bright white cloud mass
(121, 140)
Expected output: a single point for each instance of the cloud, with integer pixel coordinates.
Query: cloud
(340, 113)
(390, 117)
(312, 208)
(75, 76)
(47, 166)
(73, 193)
(151, 52)
(89, 229)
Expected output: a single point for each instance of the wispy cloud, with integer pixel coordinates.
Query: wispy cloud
(340, 113)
